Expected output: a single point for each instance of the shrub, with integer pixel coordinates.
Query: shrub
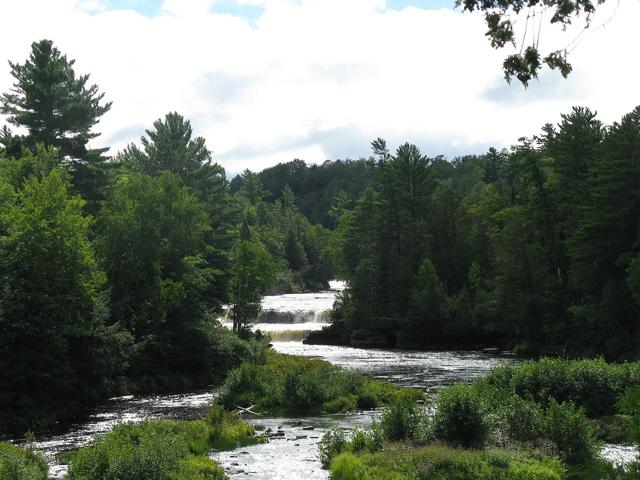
(366, 441)
(199, 468)
(460, 417)
(289, 383)
(629, 404)
(350, 467)
(151, 450)
(523, 421)
(403, 419)
(333, 442)
(571, 432)
(594, 385)
(161, 450)
(227, 431)
(345, 403)
(21, 464)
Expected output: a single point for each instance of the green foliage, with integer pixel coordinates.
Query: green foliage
(525, 66)
(332, 443)
(524, 421)
(532, 248)
(299, 249)
(571, 433)
(461, 416)
(227, 431)
(336, 441)
(153, 247)
(629, 404)
(254, 272)
(162, 450)
(289, 383)
(444, 463)
(58, 108)
(152, 450)
(21, 464)
(594, 385)
(52, 301)
(404, 419)
(428, 307)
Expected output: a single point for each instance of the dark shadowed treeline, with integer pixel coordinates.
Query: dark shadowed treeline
(536, 247)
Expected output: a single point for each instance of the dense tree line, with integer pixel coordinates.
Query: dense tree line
(113, 271)
(316, 186)
(535, 247)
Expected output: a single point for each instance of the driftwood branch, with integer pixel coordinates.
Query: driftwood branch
(248, 410)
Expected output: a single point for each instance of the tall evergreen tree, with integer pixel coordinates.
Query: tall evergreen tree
(59, 109)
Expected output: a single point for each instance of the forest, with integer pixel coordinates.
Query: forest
(110, 266)
(116, 268)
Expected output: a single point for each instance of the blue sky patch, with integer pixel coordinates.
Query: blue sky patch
(251, 13)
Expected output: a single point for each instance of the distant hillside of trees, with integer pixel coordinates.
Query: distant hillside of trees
(316, 186)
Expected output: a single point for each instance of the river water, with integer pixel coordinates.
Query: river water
(288, 319)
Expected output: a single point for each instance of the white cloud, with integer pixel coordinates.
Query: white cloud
(308, 71)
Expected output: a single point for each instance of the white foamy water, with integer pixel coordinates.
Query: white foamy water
(296, 308)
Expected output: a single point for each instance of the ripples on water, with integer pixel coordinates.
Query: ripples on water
(426, 370)
(291, 458)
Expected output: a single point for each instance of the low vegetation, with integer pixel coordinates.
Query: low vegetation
(534, 420)
(438, 462)
(162, 450)
(21, 464)
(285, 383)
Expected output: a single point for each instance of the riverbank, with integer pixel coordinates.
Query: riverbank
(337, 334)
(531, 421)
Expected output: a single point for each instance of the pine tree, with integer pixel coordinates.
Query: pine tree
(59, 109)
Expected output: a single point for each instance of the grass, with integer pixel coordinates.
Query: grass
(439, 462)
(287, 384)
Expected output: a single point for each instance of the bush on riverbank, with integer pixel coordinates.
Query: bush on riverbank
(21, 464)
(516, 408)
(594, 385)
(291, 383)
(162, 449)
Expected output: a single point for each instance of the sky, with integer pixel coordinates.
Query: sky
(268, 81)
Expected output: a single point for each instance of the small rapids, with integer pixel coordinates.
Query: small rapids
(288, 319)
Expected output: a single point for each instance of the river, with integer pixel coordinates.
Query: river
(287, 318)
